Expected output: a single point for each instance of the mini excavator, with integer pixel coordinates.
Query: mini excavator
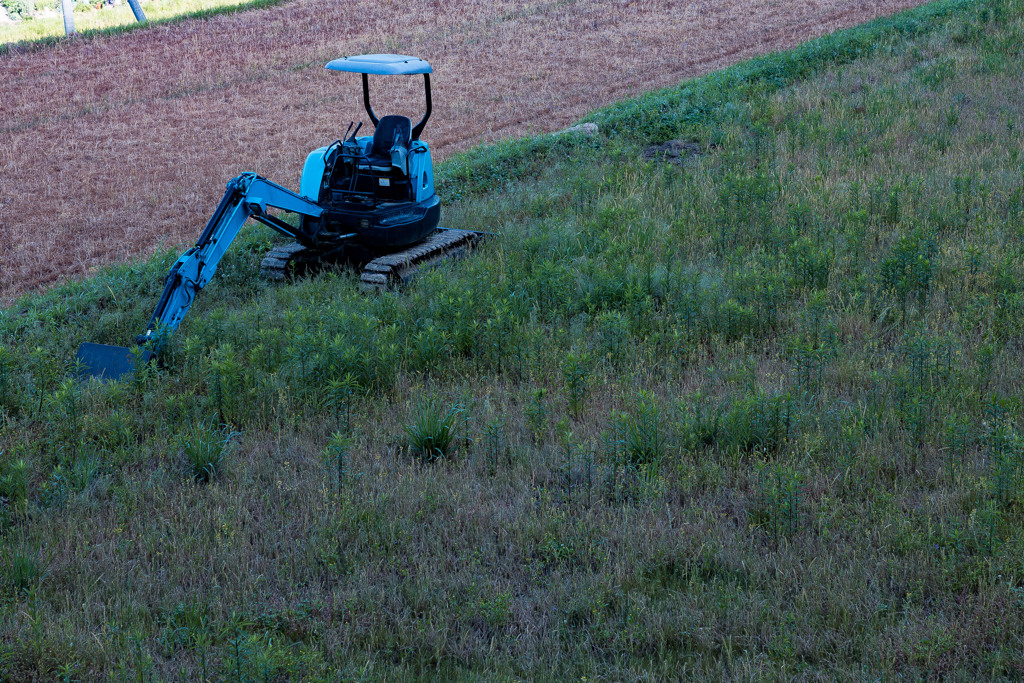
(366, 200)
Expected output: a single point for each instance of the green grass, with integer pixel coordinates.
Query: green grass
(434, 431)
(47, 30)
(754, 415)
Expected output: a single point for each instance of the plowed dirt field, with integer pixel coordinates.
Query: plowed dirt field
(112, 146)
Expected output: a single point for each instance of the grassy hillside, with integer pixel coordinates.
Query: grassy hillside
(752, 413)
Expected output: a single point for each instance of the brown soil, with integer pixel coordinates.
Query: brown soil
(113, 146)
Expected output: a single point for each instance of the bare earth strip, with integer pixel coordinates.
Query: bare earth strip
(114, 146)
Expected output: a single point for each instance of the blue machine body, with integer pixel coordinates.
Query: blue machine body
(358, 197)
(313, 174)
(379, 188)
(421, 170)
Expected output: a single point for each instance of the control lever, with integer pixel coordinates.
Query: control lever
(356, 131)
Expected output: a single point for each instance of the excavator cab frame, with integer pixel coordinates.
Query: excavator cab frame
(387, 65)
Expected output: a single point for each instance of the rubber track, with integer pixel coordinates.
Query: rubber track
(275, 264)
(385, 272)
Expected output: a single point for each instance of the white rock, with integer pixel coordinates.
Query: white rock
(582, 129)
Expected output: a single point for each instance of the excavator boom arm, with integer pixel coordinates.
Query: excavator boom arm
(247, 196)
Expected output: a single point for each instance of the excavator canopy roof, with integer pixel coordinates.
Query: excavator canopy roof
(384, 65)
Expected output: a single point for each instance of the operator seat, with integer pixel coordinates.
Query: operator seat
(390, 146)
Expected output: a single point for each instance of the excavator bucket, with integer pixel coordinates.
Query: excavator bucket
(109, 363)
